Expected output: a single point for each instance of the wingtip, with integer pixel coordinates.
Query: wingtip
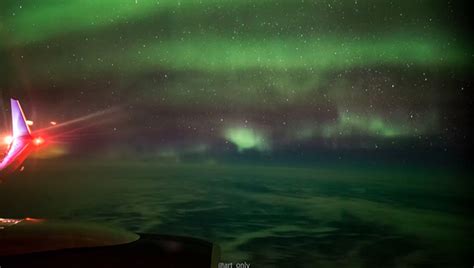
(19, 124)
(14, 100)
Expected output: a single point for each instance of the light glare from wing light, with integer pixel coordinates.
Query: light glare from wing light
(7, 140)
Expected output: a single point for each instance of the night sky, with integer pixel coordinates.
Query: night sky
(292, 133)
(211, 78)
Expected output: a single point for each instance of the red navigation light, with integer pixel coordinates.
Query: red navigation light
(38, 141)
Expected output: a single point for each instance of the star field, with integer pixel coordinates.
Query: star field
(240, 75)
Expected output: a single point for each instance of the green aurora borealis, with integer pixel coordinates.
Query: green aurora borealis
(299, 72)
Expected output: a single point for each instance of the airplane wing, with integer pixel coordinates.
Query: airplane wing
(21, 135)
(16, 148)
